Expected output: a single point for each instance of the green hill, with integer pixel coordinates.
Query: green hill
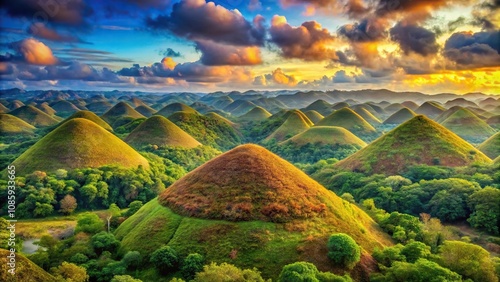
(136, 102)
(326, 135)
(367, 115)
(340, 105)
(410, 105)
(11, 125)
(250, 203)
(64, 108)
(78, 143)
(26, 270)
(145, 110)
(159, 131)
(34, 116)
(170, 109)
(255, 114)
(314, 116)
(400, 116)
(218, 117)
(491, 147)
(349, 120)
(120, 111)
(296, 122)
(320, 106)
(3, 109)
(417, 141)
(209, 131)
(239, 107)
(392, 108)
(468, 126)
(446, 114)
(15, 105)
(92, 117)
(99, 107)
(430, 109)
(44, 107)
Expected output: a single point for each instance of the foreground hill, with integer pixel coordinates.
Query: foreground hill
(11, 125)
(250, 203)
(26, 270)
(78, 143)
(349, 120)
(160, 131)
(92, 117)
(417, 141)
(119, 111)
(34, 116)
(491, 147)
(295, 123)
(468, 126)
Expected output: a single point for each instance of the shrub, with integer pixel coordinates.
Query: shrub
(227, 272)
(192, 264)
(132, 259)
(343, 250)
(165, 259)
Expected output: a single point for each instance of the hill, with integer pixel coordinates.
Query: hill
(392, 108)
(78, 143)
(494, 121)
(99, 107)
(314, 116)
(296, 122)
(366, 114)
(44, 107)
(64, 108)
(11, 125)
(170, 109)
(255, 114)
(400, 116)
(3, 109)
(446, 114)
(15, 105)
(145, 110)
(491, 147)
(136, 102)
(430, 109)
(209, 131)
(253, 204)
(349, 120)
(26, 270)
(34, 116)
(410, 105)
(320, 106)
(239, 107)
(92, 117)
(216, 116)
(468, 126)
(120, 111)
(417, 141)
(326, 135)
(159, 131)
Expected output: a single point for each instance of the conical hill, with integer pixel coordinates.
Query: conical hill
(34, 116)
(92, 117)
(255, 114)
(326, 135)
(25, 270)
(400, 116)
(314, 116)
(430, 109)
(468, 126)
(78, 143)
(417, 141)
(349, 120)
(491, 147)
(145, 110)
(120, 111)
(296, 122)
(11, 125)
(160, 131)
(170, 109)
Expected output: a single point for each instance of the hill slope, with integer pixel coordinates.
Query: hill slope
(314, 116)
(349, 120)
(430, 109)
(120, 111)
(34, 116)
(78, 143)
(255, 114)
(468, 126)
(491, 147)
(145, 110)
(326, 135)
(400, 116)
(295, 123)
(168, 110)
(417, 141)
(92, 117)
(26, 270)
(11, 125)
(160, 131)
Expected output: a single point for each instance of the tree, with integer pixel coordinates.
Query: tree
(89, 223)
(343, 250)
(307, 272)
(415, 250)
(485, 206)
(104, 241)
(132, 259)
(124, 278)
(227, 273)
(469, 260)
(192, 264)
(133, 208)
(420, 271)
(165, 259)
(68, 204)
(113, 211)
(71, 272)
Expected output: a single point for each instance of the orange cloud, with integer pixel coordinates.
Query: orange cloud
(168, 63)
(277, 77)
(216, 54)
(35, 52)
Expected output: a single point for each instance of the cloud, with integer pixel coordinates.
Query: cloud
(254, 5)
(487, 14)
(169, 52)
(276, 78)
(412, 38)
(89, 56)
(196, 19)
(149, 3)
(480, 49)
(40, 30)
(367, 30)
(353, 8)
(34, 52)
(70, 13)
(342, 77)
(309, 42)
(215, 54)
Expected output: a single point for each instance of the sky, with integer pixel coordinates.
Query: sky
(430, 46)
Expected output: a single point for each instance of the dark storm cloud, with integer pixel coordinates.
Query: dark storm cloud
(194, 19)
(479, 49)
(370, 29)
(169, 52)
(412, 38)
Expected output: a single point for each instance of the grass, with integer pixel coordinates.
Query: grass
(26, 270)
(218, 117)
(34, 116)
(145, 110)
(36, 228)
(314, 116)
(11, 125)
(296, 122)
(160, 131)
(255, 114)
(120, 110)
(78, 143)
(468, 126)
(92, 117)
(400, 116)
(175, 107)
(417, 141)
(349, 120)
(491, 147)
(367, 115)
(327, 135)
